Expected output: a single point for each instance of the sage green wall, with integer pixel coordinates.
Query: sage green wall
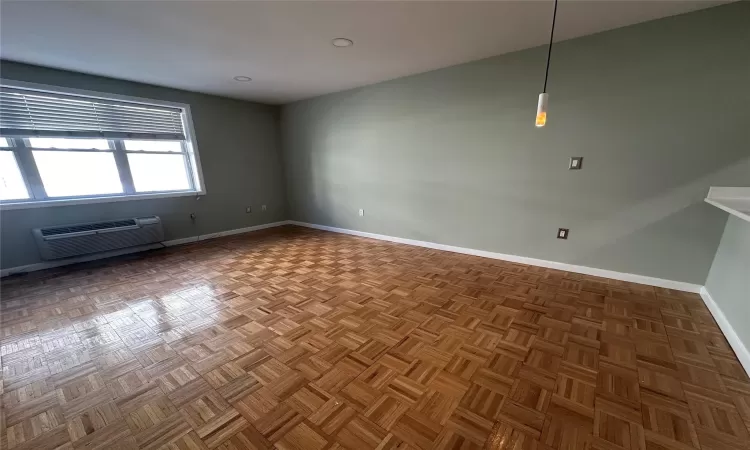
(729, 279)
(659, 111)
(239, 149)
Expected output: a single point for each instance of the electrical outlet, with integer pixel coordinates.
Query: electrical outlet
(575, 163)
(248, 209)
(361, 212)
(263, 207)
(562, 233)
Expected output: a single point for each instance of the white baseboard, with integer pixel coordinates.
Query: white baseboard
(633, 278)
(742, 352)
(75, 260)
(204, 237)
(85, 258)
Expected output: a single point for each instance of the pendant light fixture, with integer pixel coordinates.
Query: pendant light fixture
(541, 108)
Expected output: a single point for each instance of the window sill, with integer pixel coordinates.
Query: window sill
(88, 200)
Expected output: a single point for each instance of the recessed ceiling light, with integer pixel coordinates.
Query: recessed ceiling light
(342, 42)
(242, 78)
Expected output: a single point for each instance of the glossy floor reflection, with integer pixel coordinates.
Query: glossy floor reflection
(301, 339)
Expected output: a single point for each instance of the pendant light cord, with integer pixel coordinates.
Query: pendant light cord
(549, 50)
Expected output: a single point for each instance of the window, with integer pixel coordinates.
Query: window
(12, 186)
(73, 146)
(157, 165)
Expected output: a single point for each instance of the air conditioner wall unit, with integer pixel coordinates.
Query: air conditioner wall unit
(84, 238)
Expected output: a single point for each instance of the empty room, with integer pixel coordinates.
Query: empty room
(308, 225)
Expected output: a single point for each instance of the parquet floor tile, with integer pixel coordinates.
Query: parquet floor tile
(299, 339)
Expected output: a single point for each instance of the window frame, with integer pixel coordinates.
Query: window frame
(38, 198)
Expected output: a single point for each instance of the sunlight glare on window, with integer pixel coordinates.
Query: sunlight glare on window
(4, 143)
(153, 146)
(69, 174)
(67, 143)
(158, 172)
(12, 186)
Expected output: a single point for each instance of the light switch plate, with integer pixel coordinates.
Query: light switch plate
(361, 212)
(562, 233)
(575, 163)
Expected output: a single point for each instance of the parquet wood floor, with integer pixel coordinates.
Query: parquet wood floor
(299, 339)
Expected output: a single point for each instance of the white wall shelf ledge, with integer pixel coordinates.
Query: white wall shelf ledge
(734, 200)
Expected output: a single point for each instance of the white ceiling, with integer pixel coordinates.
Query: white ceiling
(285, 46)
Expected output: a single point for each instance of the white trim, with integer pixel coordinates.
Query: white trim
(79, 259)
(204, 237)
(734, 200)
(192, 149)
(739, 208)
(742, 352)
(88, 200)
(734, 208)
(630, 277)
(633, 278)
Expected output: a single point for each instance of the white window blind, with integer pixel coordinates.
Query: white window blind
(26, 112)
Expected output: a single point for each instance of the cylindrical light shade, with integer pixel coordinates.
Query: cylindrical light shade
(541, 110)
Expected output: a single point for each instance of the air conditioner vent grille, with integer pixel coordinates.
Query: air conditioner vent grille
(64, 241)
(87, 227)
